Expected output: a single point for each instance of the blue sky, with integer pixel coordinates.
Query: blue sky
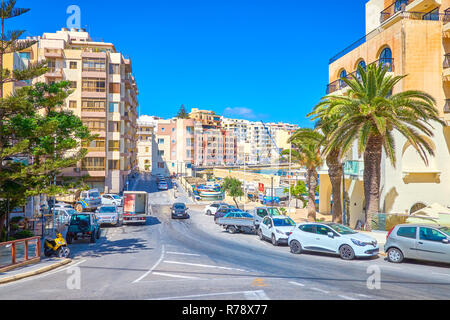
(256, 59)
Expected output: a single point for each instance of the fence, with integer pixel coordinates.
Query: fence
(386, 221)
(19, 251)
(35, 225)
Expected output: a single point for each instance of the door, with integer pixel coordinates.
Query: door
(266, 226)
(430, 246)
(323, 242)
(306, 236)
(406, 240)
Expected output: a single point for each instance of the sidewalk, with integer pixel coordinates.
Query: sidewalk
(42, 266)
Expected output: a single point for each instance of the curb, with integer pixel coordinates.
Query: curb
(35, 272)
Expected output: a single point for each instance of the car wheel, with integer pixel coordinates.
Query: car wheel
(346, 252)
(296, 247)
(394, 255)
(208, 213)
(261, 236)
(274, 240)
(231, 229)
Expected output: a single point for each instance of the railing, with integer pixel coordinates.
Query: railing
(354, 168)
(93, 109)
(340, 84)
(19, 251)
(446, 60)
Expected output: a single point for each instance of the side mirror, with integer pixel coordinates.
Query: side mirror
(331, 234)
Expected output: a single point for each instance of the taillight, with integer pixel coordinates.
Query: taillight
(389, 233)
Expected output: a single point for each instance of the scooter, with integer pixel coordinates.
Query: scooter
(56, 247)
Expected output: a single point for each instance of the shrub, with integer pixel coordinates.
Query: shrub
(23, 234)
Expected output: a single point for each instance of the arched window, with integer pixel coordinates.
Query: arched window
(386, 58)
(343, 74)
(362, 64)
(417, 207)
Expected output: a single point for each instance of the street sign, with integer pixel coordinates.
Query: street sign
(261, 187)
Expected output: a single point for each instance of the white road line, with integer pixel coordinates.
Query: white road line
(184, 254)
(364, 295)
(152, 268)
(174, 275)
(202, 265)
(347, 298)
(256, 295)
(320, 290)
(296, 283)
(212, 295)
(441, 274)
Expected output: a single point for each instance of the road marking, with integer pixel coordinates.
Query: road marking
(296, 283)
(364, 295)
(203, 265)
(258, 282)
(320, 290)
(184, 254)
(174, 275)
(152, 268)
(256, 295)
(260, 294)
(347, 298)
(441, 274)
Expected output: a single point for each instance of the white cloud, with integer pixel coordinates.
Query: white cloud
(242, 112)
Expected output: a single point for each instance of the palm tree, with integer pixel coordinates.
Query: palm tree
(306, 152)
(369, 113)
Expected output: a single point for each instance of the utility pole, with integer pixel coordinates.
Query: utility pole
(272, 200)
(289, 174)
(343, 193)
(245, 190)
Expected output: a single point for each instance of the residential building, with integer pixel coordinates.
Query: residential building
(105, 97)
(410, 38)
(146, 139)
(206, 117)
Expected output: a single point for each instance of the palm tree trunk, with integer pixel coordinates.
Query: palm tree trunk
(335, 174)
(372, 178)
(312, 184)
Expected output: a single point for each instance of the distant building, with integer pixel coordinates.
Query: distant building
(146, 139)
(205, 117)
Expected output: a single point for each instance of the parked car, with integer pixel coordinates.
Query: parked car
(237, 221)
(83, 225)
(261, 212)
(112, 199)
(419, 242)
(223, 211)
(63, 215)
(212, 208)
(179, 210)
(110, 214)
(332, 238)
(277, 229)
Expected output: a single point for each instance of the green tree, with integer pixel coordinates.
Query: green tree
(182, 114)
(369, 113)
(233, 187)
(298, 191)
(306, 151)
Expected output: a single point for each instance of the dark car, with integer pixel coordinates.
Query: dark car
(83, 225)
(223, 211)
(179, 210)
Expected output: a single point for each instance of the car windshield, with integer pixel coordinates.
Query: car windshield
(274, 211)
(246, 215)
(286, 222)
(179, 206)
(107, 210)
(339, 228)
(445, 230)
(115, 196)
(79, 219)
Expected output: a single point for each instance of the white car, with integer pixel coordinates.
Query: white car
(276, 228)
(109, 214)
(332, 238)
(112, 199)
(212, 208)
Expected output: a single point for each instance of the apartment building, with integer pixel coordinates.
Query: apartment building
(205, 117)
(410, 38)
(174, 146)
(146, 139)
(105, 97)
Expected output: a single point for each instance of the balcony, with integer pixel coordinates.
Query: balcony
(354, 168)
(339, 87)
(53, 53)
(54, 73)
(446, 67)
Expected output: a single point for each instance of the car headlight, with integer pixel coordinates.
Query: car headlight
(358, 243)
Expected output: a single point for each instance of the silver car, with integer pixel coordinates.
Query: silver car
(418, 242)
(109, 214)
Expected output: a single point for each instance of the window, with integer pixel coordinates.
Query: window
(113, 164)
(114, 87)
(94, 64)
(160, 141)
(407, 232)
(72, 104)
(93, 105)
(386, 59)
(114, 126)
(73, 84)
(361, 64)
(261, 212)
(95, 124)
(161, 165)
(161, 153)
(113, 107)
(51, 65)
(146, 149)
(114, 68)
(308, 228)
(322, 230)
(93, 164)
(431, 235)
(147, 161)
(113, 145)
(342, 75)
(96, 145)
(73, 65)
(94, 85)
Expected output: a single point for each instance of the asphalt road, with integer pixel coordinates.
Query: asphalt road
(195, 259)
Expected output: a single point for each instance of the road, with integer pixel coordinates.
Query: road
(195, 259)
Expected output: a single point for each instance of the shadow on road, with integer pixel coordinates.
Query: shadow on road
(102, 248)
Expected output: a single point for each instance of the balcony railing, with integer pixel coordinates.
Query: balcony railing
(447, 106)
(446, 61)
(340, 84)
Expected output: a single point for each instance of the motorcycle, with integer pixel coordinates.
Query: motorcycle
(57, 247)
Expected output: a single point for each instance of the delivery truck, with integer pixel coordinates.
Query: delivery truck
(82, 201)
(135, 207)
